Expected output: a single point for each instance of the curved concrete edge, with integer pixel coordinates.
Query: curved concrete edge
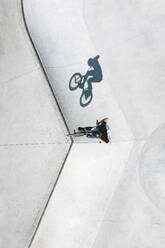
(97, 200)
(29, 243)
(46, 76)
(82, 161)
(33, 145)
(32, 237)
(64, 50)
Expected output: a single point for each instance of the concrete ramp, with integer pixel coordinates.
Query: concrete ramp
(99, 200)
(33, 146)
(108, 195)
(64, 47)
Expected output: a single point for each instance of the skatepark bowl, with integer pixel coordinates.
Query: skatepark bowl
(64, 192)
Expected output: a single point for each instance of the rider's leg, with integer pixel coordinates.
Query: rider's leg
(90, 81)
(93, 79)
(81, 128)
(88, 128)
(85, 78)
(84, 128)
(89, 74)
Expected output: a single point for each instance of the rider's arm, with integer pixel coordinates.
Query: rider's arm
(103, 120)
(97, 57)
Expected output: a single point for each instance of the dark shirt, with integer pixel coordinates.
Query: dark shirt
(103, 130)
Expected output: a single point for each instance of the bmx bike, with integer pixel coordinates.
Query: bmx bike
(78, 81)
(85, 132)
(81, 133)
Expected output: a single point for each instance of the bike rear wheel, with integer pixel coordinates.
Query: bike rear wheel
(75, 81)
(86, 98)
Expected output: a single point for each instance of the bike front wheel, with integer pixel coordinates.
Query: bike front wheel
(78, 134)
(75, 81)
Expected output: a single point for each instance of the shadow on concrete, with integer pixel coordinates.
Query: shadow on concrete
(84, 82)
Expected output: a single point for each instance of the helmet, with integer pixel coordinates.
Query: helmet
(97, 134)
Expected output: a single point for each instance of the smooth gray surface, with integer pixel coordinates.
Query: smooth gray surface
(28, 173)
(32, 141)
(152, 168)
(130, 37)
(131, 220)
(83, 194)
(17, 56)
(107, 196)
(91, 207)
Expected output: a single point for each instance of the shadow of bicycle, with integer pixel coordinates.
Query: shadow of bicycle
(84, 82)
(78, 81)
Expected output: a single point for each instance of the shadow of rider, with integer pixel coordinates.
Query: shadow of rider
(95, 73)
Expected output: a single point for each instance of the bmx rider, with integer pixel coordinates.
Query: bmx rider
(101, 131)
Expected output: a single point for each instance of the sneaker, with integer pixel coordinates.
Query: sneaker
(80, 128)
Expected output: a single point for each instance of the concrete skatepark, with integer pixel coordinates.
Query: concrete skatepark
(59, 192)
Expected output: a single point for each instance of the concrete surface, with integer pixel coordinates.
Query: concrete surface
(108, 195)
(103, 198)
(33, 146)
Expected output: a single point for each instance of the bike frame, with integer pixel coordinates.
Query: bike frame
(82, 133)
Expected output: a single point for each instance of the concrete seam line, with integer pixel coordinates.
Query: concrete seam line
(20, 76)
(31, 144)
(47, 203)
(29, 243)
